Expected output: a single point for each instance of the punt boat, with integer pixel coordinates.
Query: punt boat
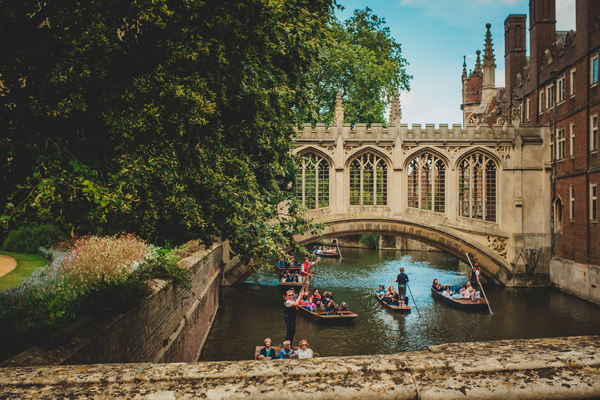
(465, 304)
(403, 307)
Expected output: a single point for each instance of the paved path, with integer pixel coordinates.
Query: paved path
(7, 264)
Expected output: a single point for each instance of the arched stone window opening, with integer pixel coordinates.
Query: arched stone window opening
(427, 183)
(368, 181)
(312, 182)
(477, 187)
(558, 215)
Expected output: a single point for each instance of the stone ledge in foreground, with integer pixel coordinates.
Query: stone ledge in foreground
(558, 368)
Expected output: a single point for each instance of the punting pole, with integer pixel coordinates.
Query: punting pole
(481, 286)
(339, 252)
(414, 301)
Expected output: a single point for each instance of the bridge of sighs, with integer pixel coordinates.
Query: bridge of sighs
(483, 190)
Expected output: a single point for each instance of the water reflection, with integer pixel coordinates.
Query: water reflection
(251, 312)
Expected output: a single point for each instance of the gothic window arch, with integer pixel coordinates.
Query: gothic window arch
(558, 214)
(368, 181)
(427, 183)
(477, 187)
(312, 182)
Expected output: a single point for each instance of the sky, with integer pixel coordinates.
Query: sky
(435, 34)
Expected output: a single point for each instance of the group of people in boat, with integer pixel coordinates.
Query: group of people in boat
(317, 303)
(322, 250)
(292, 271)
(456, 291)
(287, 351)
(391, 297)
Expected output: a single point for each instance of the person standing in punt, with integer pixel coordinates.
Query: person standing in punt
(475, 283)
(289, 314)
(305, 273)
(402, 280)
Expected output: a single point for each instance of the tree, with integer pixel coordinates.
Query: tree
(362, 60)
(167, 118)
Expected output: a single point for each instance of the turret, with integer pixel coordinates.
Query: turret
(489, 67)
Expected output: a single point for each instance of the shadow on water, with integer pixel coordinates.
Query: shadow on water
(251, 312)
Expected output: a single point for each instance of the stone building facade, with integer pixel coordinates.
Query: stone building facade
(556, 86)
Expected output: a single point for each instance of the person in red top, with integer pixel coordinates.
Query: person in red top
(305, 273)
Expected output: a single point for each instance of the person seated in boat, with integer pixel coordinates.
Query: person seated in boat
(307, 303)
(446, 292)
(381, 290)
(295, 276)
(332, 308)
(286, 351)
(294, 263)
(327, 297)
(320, 251)
(267, 353)
(304, 351)
(319, 306)
(395, 300)
(466, 294)
(436, 286)
(316, 296)
(344, 306)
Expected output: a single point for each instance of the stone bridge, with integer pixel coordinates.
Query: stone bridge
(482, 190)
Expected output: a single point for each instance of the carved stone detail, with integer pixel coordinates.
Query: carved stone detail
(331, 149)
(406, 149)
(498, 244)
(451, 150)
(389, 149)
(348, 149)
(503, 151)
(361, 209)
(319, 212)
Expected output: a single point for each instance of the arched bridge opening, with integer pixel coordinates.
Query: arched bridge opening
(495, 268)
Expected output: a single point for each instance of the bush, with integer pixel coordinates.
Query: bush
(370, 239)
(29, 239)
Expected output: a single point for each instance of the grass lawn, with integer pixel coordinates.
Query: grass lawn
(26, 264)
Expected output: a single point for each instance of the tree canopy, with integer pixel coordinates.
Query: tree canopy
(167, 118)
(362, 60)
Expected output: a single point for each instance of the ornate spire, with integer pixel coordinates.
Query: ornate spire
(464, 74)
(395, 109)
(488, 53)
(477, 69)
(339, 106)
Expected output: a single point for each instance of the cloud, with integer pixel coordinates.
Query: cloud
(565, 15)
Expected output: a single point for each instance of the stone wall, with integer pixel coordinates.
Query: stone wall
(581, 280)
(170, 326)
(558, 368)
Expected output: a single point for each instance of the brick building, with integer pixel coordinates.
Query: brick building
(557, 85)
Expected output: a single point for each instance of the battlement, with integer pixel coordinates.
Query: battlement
(444, 132)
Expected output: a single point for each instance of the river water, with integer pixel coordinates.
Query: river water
(253, 311)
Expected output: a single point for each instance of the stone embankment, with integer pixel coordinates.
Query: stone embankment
(560, 368)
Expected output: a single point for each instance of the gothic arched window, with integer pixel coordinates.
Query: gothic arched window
(368, 181)
(312, 182)
(477, 187)
(427, 183)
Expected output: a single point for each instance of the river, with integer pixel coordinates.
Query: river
(253, 311)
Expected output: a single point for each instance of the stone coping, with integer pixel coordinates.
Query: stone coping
(567, 367)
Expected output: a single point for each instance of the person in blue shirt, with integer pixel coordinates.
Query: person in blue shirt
(381, 290)
(402, 280)
(287, 350)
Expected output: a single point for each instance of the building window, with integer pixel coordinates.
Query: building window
(572, 141)
(541, 101)
(560, 94)
(572, 202)
(573, 73)
(594, 70)
(550, 96)
(312, 182)
(558, 212)
(594, 132)
(527, 104)
(560, 144)
(427, 183)
(477, 187)
(593, 201)
(368, 181)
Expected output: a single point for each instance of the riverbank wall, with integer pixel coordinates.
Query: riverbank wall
(559, 368)
(170, 326)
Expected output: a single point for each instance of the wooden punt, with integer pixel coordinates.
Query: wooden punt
(403, 308)
(323, 317)
(328, 255)
(465, 304)
(289, 285)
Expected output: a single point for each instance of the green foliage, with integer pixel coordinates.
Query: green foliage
(28, 239)
(163, 265)
(370, 239)
(166, 118)
(362, 60)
